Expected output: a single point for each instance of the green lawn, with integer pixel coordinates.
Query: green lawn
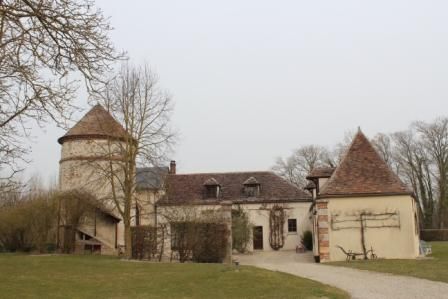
(24, 276)
(433, 269)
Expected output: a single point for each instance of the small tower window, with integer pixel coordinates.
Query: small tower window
(212, 189)
(251, 187)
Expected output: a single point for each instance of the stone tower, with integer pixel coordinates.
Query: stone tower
(86, 152)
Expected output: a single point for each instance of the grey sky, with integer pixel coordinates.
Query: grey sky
(254, 79)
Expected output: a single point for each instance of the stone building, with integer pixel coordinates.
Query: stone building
(85, 154)
(363, 207)
(88, 150)
(256, 193)
(360, 206)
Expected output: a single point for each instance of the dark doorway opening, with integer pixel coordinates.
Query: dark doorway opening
(258, 237)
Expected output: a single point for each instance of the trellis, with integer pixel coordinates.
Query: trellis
(277, 218)
(364, 220)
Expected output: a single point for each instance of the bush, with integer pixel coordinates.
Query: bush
(203, 242)
(307, 240)
(241, 230)
(144, 242)
(434, 235)
(28, 225)
(211, 245)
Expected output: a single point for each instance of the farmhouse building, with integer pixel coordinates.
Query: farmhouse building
(360, 206)
(256, 193)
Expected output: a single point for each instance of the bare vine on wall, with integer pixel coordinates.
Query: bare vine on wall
(363, 220)
(277, 219)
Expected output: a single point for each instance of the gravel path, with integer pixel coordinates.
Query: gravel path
(361, 284)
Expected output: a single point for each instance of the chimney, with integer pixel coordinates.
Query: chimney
(172, 167)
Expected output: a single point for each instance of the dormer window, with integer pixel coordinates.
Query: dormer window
(212, 189)
(251, 187)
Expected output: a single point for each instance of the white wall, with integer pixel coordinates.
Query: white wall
(259, 216)
(388, 242)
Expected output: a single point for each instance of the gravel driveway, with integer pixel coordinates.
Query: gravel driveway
(361, 284)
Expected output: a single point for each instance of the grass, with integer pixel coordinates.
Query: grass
(432, 269)
(65, 276)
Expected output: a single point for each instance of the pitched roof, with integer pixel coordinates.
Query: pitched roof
(363, 172)
(97, 123)
(150, 177)
(189, 188)
(321, 172)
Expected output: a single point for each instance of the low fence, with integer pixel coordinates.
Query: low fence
(434, 235)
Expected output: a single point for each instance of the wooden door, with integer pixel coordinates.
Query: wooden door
(258, 237)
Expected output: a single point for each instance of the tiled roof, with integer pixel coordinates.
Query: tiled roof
(251, 181)
(362, 172)
(183, 188)
(321, 172)
(211, 182)
(310, 186)
(96, 123)
(150, 177)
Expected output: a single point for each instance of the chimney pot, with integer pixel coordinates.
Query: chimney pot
(173, 167)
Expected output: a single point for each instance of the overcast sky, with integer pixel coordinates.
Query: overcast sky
(252, 80)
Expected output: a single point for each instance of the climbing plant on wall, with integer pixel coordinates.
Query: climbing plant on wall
(277, 218)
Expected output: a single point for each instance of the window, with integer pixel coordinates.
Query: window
(211, 191)
(292, 225)
(251, 190)
(251, 187)
(212, 188)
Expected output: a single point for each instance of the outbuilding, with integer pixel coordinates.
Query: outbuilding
(362, 209)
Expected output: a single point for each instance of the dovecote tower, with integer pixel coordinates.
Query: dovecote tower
(87, 150)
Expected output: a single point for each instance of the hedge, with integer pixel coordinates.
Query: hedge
(434, 234)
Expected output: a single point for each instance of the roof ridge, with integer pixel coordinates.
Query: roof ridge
(225, 172)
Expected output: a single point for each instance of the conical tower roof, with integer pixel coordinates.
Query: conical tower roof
(97, 123)
(363, 172)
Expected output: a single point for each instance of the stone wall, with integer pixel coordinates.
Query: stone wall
(323, 233)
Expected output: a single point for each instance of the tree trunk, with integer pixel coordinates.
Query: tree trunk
(127, 238)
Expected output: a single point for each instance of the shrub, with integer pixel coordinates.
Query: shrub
(28, 224)
(434, 235)
(307, 240)
(144, 242)
(241, 230)
(211, 244)
(203, 242)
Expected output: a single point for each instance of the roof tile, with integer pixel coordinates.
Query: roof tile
(363, 171)
(190, 187)
(97, 122)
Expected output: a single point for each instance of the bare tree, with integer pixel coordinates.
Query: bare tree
(413, 166)
(435, 141)
(134, 98)
(296, 167)
(383, 145)
(44, 46)
(340, 148)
